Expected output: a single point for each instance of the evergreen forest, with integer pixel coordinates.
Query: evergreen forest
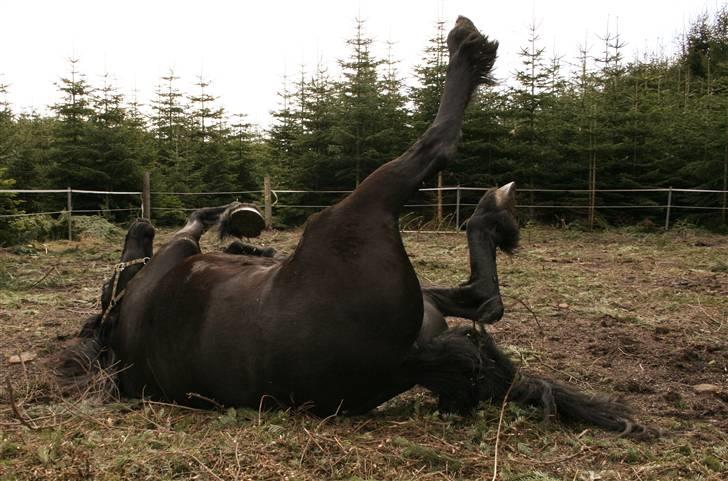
(598, 121)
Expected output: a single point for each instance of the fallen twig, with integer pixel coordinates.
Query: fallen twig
(318, 426)
(203, 465)
(568, 374)
(555, 461)
(53, 268)
(14, 406)
(711, 318)
(500, 424)
(176, 406)
(528, 308)
(331, 416)
(191, 395)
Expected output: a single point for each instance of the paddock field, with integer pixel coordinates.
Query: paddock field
(641, 316)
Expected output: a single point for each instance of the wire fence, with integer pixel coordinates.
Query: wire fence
(446, 212)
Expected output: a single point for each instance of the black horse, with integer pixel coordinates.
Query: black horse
(335, 324)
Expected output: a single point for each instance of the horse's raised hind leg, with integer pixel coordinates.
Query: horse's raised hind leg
(471, 58)
(200, 221)
(186, 241)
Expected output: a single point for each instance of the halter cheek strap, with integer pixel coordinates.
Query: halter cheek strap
(116, 297)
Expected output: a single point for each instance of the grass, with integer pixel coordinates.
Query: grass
(639, 315)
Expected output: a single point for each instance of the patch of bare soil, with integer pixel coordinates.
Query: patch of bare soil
(639, 316)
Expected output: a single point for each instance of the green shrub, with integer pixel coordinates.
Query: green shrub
(21, 230)
(40, 228)
(86, 226)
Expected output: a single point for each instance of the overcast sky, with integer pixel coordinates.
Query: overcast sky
(245, 47)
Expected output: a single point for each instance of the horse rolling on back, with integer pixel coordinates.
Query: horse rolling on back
(338, 325)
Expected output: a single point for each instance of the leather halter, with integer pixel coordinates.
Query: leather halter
(116, 297)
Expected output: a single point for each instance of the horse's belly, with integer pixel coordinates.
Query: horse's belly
(239, 337)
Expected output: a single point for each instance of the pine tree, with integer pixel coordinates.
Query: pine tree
(208, 150)
(529, 99)
(172, 170)
(396, 134)
(139, 136)
(245, 153)
(283, 134)
(320, 153)
(74, 160)
(483, 157)
(8, 202)
(109, 138)
(170, 125)
(31, 162)
(360, 121)
(430, 77)
(6, 126)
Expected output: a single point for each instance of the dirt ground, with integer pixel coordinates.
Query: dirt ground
(641, 316)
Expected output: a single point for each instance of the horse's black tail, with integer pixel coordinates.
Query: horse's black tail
(496, 375)
(559, 401)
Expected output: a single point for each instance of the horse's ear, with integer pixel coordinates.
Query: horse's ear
(505, 197)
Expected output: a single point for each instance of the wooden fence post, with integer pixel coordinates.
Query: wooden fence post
(669, 205)
(268, 208)
(146, 197)
(457, 208)
(725, 186)
(69, 208)
(438, 213)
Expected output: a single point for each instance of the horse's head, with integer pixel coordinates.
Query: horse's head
(492, 226)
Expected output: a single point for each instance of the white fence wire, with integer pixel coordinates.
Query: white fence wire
(271, 200)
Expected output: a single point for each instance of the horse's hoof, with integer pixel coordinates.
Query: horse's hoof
(245, 221)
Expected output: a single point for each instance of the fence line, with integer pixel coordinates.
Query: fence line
(270, 200)
(310, 191)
